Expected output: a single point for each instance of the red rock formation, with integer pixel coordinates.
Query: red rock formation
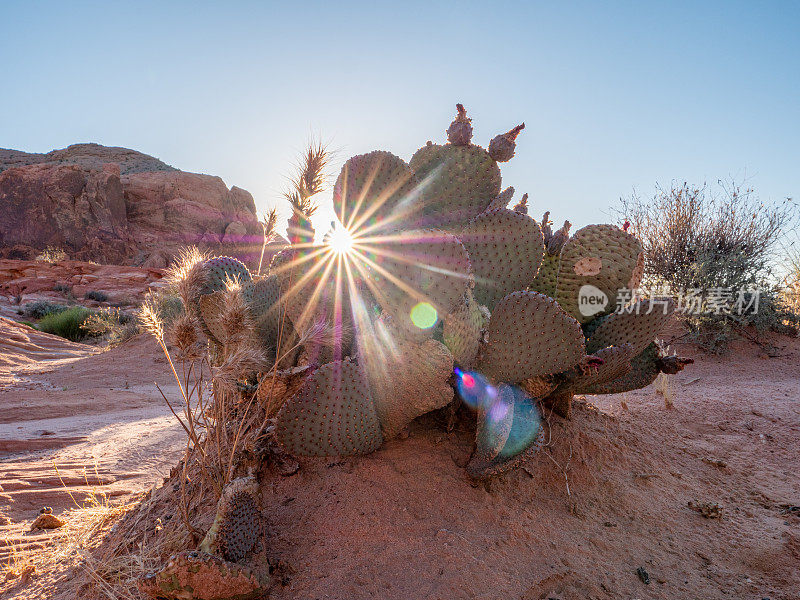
(135, 211)
(24, 281)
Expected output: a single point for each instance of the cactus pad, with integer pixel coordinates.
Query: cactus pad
(462, 331)
(505, 249)
(408, 379)
(192, 574)
(546, 278)
(601, 256)
(460, 182)
(220, 269)
(644, 370)
(419, 268)
(502, 200)
(616, 363)
(637, 327)
(332, 415)
(530, 335)
(500, 447)
(375, 189)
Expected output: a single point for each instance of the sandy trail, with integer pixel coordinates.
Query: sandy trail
(75, 421)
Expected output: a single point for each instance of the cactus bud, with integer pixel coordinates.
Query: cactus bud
(502, 147)
(460, 131)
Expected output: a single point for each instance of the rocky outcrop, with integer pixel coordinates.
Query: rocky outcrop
(23, 281)
(115, 205)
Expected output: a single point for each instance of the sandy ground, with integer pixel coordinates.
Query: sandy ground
(609, 494)
(76, 421)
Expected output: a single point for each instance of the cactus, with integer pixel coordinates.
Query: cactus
(443, 274)
(491, 239)
(332, 415)
(601, 256)
(463, 330)
(193, 574)
(460, 182)
(376, 191)
(427, 268)
(407, 381)
(212, 276)
(239, 525)
(530, 335)
(507, 440)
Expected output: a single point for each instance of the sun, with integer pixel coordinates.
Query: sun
(340, 240)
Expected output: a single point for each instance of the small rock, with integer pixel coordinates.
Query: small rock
(47, 521)
(710, 510)
(46, 510)
(643, 575)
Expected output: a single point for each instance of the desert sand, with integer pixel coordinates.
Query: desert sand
(609, 494)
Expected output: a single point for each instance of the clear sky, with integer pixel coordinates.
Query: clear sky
(615, 96)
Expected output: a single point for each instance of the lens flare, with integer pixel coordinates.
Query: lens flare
(424, 316)
(509, 418)
(340, 240)
(475, 390)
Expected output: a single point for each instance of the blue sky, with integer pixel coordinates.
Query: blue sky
(615, 96)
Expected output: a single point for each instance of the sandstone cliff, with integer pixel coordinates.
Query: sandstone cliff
(115, 205)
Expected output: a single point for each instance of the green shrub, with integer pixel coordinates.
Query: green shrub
(116, 325)
(67, 324)
(96, 295)
(42, 308)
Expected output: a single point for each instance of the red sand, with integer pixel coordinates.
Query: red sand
(405, 522)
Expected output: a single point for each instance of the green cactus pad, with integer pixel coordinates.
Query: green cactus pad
(419, 277)
(530, 335)
(215, 272)
(262, 297)
(637, 326)
(209, 315)
(374, 190)
(500, 447)
(311, 293)
(545, 280)
(505, 249)
(220, 269)
(601, 256)
(332, 415)
(616, 363)
(644, 370)
(460, 182)
(407, 379)
(502, 200)
(462, 331)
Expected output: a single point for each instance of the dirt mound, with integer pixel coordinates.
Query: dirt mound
(619, 489)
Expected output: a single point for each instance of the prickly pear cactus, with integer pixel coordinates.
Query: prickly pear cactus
(595, 263)
(444, 284)
(333, 414)
(491, 239)
(460, 181)
(530, 335)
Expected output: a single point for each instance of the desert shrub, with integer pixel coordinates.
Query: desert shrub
(42, 308)
(67, 324)
(96, 295)
(720, 245)
(116, 325)
(52, 254)
(169, 306)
